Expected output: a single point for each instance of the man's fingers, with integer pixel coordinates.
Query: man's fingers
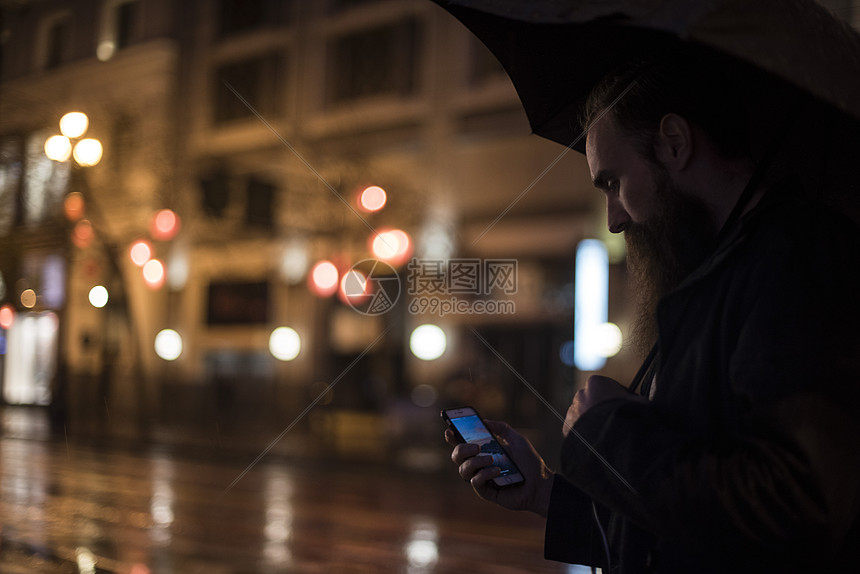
(485, 475)
(464, 451)
(474, 465)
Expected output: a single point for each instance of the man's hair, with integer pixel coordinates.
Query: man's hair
(701, 88)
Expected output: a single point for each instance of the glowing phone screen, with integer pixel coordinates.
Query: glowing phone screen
(473, 431)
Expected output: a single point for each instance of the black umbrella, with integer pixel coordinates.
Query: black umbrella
(555, 51)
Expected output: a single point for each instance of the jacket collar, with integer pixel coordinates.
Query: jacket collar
(735, 236)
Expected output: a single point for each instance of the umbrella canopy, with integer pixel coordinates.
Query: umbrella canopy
(555, 51)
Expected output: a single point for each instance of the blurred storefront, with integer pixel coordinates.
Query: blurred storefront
(238, 140)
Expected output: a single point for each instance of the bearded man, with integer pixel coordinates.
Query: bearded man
(737, 447)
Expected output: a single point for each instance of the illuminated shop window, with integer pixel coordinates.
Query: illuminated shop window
(10, 179)
(31, 360)
(45, 182)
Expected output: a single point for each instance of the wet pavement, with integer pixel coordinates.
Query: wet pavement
(73, 507)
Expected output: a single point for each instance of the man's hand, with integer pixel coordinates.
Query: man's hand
(597, 389)
(532, 494)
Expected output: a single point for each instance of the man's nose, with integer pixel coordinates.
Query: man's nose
(617, 217)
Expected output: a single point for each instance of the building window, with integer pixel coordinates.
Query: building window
(239, 16)
(256, 80)
(55, 41)
(215, 193)
(260, 202)
(125, 18)
(238, 303)
(374, 62)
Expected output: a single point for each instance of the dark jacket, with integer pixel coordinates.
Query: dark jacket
(748, 457)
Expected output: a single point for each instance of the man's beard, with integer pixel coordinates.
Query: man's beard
(664, 250)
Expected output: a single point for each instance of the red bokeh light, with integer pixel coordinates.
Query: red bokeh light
(323, 279)
(140, 252)
(7, 316)
(372, 198)
(165, 225)
(73, 206)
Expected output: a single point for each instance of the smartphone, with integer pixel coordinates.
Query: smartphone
(469, 427)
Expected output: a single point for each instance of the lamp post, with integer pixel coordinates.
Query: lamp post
(86, 152)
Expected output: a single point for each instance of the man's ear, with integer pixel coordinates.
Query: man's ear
(674, 142)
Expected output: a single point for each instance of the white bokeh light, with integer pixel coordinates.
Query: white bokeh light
(88, 152)
(608, 339)
(285, 344)
(74, 124)
(98, 296)
(154, 273)
(428, 342)
(58, 148)
(295, 261)
(168, 344)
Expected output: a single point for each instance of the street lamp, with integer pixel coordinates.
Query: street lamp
(87, 152)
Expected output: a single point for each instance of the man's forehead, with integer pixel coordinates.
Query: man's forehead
(596, 150)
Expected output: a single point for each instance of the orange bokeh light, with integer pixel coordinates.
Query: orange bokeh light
(165, 225)
(83, 234)
(7, 316)
(73, 206)
(140, 252)
(153, 274)
(393, 246)
(324, 278)
(372, 198)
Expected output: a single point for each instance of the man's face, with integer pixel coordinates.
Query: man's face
(621, 173)
(668, 231)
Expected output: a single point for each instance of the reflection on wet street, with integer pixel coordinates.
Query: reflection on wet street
(68, 507)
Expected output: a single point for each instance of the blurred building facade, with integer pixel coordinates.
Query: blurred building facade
(118, 63)
(258, 123)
